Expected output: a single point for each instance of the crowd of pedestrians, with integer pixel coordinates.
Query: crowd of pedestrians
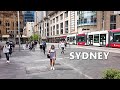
(8, 49)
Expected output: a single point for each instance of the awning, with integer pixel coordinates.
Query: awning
(5, 36)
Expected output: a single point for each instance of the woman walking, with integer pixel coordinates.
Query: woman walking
(52, 54)
(6, 51)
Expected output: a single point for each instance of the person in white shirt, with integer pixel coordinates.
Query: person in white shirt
(62, 45)
(6, 48)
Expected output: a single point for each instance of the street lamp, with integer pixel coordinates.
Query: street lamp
(14, 30)
(33, 33)
(19, 28)
(103, 22)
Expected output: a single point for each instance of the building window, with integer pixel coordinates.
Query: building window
(54, 20)
(85, 20)
(113, 19)
(66, 26)
(45, 24)
(7, 30)
(77, 13)
(57, 19)
(0, 22)
(57, 26)
(61, 16)
(66, 14)
(8, 24)
(50, 21)
(17, 24)
(51, 30)
(61, 28)
(54, 30)
(112, 26)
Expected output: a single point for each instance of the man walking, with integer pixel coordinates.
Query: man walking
(62, 45)
(44, 46)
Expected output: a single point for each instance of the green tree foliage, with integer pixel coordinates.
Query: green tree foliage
(34, 37)
(111, 74)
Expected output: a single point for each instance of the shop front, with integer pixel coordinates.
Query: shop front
(56, 39)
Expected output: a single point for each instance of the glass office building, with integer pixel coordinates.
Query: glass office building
(28, 16)
(86, 18)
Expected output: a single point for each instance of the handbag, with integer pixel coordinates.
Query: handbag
(48, 55)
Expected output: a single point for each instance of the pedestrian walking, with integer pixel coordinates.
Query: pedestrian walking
(44, 46)
(33, 46)
(41, 47)
(11, 47)
(0, 50)
(26, 44)
(62, 45)
(59, 45)
(52, 54)
(65, 43)
(30, 46)
(6, 48)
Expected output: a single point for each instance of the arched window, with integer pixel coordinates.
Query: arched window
(7, 23)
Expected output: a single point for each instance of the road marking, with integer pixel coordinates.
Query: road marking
(49, 59)
(69, 66)
(78, 70)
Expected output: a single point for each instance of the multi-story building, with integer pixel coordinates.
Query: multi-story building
(28, 31)
(28, 16)
(88, 21)
(9, 23)
(41, 23)
(62, 24)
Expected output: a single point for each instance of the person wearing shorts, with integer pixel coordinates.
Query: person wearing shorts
(52, 54)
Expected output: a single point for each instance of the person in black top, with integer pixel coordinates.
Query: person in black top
(11, 46)
(44, 46)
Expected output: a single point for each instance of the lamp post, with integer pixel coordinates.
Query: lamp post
(19, 29)
(103, 22)
(33, 33)
(14, 30)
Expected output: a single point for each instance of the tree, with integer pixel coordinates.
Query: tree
(34, 37)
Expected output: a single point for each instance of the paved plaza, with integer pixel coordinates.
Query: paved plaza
(35, 65)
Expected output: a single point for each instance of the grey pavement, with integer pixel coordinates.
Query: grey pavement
(35, 65)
